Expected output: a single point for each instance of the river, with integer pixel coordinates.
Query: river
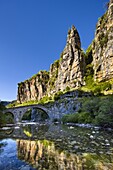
(33, 146)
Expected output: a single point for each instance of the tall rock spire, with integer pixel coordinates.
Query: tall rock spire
(73, 37)
(71, 64)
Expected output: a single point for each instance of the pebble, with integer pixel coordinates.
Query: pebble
(17, 127)
(91, 136)
(71, 127)
(73, 142)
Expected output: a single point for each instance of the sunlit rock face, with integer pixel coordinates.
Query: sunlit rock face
(34, 88)
(67, 71)
(44, 155)
(103, 46)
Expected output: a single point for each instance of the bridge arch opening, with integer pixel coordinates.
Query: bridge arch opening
(35, 115)
(27, 115)
(39, 114)
(9, 117)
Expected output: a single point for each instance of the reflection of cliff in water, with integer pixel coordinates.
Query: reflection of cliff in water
(42, 154)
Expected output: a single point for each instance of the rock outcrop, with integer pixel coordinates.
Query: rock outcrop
(67, 72)
(34, 88)
(102, 48)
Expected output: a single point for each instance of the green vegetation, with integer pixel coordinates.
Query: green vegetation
(103, 39)
(46, 143)
(45, 99)
(9, 118)
(15, 104)
(103, 20)
(2, 117)
(5, 118)
(41, 72)
(67, 89)
(12, 104)
(57, 95)
(27, 115)
(61, 57)
(96, 87)
(54, 74)
(94, 110)
(27, 133)
(56, 63)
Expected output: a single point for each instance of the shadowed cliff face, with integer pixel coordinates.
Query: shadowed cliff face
(103, 46)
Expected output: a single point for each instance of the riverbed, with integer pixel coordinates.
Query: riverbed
(40, 146)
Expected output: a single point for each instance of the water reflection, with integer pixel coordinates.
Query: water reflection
(42, 154)
(58, 147)
(2, 145)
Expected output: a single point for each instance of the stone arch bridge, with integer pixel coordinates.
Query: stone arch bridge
(18, 112)
(54, 110)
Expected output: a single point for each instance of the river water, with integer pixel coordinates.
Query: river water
(33, 146)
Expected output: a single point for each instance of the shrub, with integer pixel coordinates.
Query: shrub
(57, 95)
(8, 118)
(73, 118)
(61, 57)
(105, 113)
(56, 63)
(103, 39)
(2, 116)
(2, 119)
(95, 110)
(27, 115)
(45, 99)
(67, 89)
(82, 117)
(106, 86)
(97, 90)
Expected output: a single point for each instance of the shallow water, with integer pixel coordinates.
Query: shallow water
(30, 146)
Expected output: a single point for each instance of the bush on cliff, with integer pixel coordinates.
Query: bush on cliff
(57, 95)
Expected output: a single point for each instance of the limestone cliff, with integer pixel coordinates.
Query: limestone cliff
(66, 72)
(70, 69)
(102, 48)
(34, 88)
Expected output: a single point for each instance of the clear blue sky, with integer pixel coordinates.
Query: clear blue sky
(33, 34)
